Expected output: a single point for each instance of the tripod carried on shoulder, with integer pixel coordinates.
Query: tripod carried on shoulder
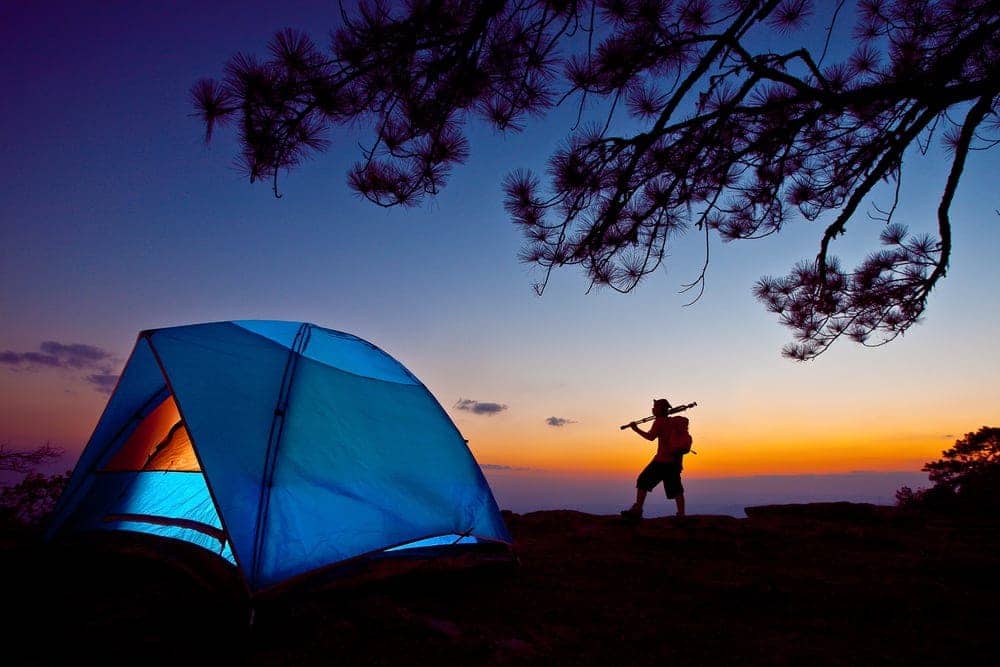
(679, 408)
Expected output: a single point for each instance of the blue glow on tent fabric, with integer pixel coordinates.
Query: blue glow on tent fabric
(176, 533)
(439, 541)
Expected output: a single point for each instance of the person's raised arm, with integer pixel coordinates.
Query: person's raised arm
(648, 435)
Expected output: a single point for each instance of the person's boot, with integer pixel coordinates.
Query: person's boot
(634, 512)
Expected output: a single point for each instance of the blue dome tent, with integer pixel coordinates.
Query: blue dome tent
(282, 447)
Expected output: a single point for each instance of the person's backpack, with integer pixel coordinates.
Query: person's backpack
(681, 437)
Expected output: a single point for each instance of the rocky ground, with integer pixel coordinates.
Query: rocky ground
(820, 584)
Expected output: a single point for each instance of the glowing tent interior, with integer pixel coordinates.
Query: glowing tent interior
(282, 447)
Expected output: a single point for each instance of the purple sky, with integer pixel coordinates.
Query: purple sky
(117, 218)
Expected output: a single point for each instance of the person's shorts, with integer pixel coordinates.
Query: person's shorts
(656, 472)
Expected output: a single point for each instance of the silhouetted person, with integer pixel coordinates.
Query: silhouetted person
(666, 466)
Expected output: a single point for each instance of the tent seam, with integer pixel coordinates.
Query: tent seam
(413, 378)
(271, 455)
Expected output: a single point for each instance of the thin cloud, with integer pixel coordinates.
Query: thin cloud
(479, 407)
(496, 466)
(67, 356)
(76, 355)
(57, 355)
(28, 359)
(559, 421)
(104, 381)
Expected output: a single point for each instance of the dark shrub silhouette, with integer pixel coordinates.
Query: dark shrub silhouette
(27, 504)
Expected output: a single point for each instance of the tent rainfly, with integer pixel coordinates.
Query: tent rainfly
(284, 448)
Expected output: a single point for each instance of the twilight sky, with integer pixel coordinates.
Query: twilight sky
(116, 217)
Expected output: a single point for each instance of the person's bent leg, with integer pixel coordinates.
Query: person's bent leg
(680, 505)
(640, 499)
(643, 485)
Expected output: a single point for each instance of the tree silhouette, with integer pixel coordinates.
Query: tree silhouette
(973, 456)
(19, 461)
(967, 474)
(733, 140)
